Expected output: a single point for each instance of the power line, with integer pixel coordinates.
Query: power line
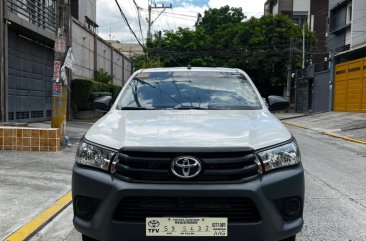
(139, 20)
(129, 26)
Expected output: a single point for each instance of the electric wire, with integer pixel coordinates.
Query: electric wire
(139, 20)
(129, 26)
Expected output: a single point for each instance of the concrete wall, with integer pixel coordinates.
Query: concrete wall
(301, 5)
(87, 8)
(104, 57)
(83, 50)
(88, 48)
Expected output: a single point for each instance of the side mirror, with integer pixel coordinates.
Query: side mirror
(277, 103)
(103, 103)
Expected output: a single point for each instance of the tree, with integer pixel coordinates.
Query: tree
(214, 18)
(221, 38)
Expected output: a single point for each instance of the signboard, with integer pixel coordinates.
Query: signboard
(60, 44)
(57, 88)
(56, 70)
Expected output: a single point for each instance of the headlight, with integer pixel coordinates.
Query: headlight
(282, 156)
(94, 156)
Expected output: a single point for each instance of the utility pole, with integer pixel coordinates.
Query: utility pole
(331, 80)
(289, 70)
(60, 88)
(2, 65)
(149, 22)
(303, 45)
(159, 45)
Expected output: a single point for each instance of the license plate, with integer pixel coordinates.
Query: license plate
(189, 227)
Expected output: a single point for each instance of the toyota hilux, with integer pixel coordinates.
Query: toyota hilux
(188, 154)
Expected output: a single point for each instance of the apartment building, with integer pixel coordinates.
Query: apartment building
(347, 41)
(297, 10)
(27, 33)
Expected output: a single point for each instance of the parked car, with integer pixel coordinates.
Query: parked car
(188, 154)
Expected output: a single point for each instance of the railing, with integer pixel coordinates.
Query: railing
(41, 13)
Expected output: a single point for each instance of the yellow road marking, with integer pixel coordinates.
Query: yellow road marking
(344, 137)
(293, 124)
(327, 133)
(39, 221)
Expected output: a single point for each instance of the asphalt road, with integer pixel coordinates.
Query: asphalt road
(335, 202)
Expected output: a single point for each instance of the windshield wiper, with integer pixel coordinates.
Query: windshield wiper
(136, 108)
(189, 108)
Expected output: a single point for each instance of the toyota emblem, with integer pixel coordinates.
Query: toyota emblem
(186, 167)
(154, 223)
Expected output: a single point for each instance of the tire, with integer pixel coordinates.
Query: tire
(87, 238)
(293, 238)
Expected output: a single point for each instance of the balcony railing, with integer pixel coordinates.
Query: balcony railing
(41, 13)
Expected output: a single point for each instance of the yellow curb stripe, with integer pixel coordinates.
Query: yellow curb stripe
(39, 221)
(344, 137)
(327, 133)
(293, 124)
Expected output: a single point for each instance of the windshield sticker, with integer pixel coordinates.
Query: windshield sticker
(143, 75)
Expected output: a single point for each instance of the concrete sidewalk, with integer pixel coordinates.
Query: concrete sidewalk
(30, 182)
(352, 125)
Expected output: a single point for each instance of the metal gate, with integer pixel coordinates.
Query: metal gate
(303, 95)
(350, 86)
(29, 79)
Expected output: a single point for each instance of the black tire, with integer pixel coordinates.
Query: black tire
(293, 238)
(87, 238)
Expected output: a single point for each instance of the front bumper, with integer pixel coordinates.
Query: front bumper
(264, 192)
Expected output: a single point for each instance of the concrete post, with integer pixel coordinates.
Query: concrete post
(331, 80)
(59, 103)
(95, 55)
(2, 64)
(123, 70)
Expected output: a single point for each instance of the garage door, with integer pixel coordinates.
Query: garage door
(30, 79)
(350, 86)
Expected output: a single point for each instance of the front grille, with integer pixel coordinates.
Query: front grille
(153, 166)
(136, 209)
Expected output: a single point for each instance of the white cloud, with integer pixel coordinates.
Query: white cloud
(109, 18)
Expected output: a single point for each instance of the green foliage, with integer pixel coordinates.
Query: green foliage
(102, 76)
(140, 63)
(84, 91)
(261, 46)
(214, 18)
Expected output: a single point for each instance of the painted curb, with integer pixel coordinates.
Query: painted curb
(327, 133)
(34, 225)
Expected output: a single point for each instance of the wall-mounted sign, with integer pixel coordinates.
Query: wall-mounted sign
(60, 44)
(56, 70)
(57, 88)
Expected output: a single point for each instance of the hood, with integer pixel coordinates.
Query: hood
(188, 128)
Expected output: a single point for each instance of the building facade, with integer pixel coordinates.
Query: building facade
(297, 10)
(347, 42)
(27, 33)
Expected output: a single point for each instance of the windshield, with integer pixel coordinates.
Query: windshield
(189, 90)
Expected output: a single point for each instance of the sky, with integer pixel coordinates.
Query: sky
(182, 14)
